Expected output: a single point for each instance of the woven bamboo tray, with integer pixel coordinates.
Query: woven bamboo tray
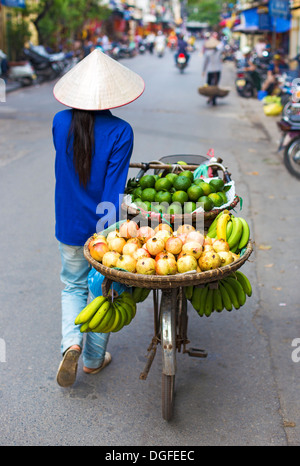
(213, 91)
(131, 212)
(167, 281)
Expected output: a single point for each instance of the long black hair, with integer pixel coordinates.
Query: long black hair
(82, 132)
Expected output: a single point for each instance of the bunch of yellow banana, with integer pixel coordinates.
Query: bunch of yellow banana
(231, 293)
(104, 315)
(234, 230)
(140, 294)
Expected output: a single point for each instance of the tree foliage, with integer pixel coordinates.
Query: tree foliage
(60, 20)
(207, 11)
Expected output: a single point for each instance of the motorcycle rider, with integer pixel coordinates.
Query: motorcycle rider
(182, 47)
(160, 43)
(249, 66)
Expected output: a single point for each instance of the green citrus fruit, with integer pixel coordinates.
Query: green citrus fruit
(218, 185)
(172, 177)
(194, 192)
(207, 203)
(161, 208)
(147, 181)
(188, 174)
(175, 208)
(180, 196)
(181, 163)
(207, 188)
(223, 196)
(137, 193)
(198, 181)
(182, 183)
(163, 184)
(217, 200)
(189, 207)
(139, 203)
(163, 196)
(148, 194)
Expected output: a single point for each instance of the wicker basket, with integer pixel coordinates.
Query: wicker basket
(131, 212)
(213, 91)
(168, 281)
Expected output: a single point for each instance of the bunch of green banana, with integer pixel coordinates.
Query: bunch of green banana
(104, 315)
(140, 294)
(234, 230)
(231, 293)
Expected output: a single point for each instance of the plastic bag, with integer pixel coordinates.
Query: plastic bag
(95, 280)
(273, 109)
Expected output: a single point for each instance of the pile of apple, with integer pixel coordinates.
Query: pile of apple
(159, 251)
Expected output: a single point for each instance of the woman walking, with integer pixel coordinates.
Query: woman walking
(93, 149)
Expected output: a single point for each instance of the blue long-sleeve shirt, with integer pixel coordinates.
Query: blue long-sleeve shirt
(78, 209)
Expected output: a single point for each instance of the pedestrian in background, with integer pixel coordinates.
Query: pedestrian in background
(93, 150)
(212, 63)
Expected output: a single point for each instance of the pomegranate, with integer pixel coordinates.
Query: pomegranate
(110, 259)
(207, 240)
(163, 226)
(129, 229)
(209, 260)
(166, 266)
(195, 236)
(163, 234)
(220, 245)
(185, 228)
(117, 244)
(163, 254)
(174, 245)
(183, 237)
(226, 257)
(126, 262)
(111, 235)
(155, 245)
(145, 233)
(130, 248)
(145, 266)
(141, 252)
(193, 248)
(186, 263)
(98, 250)
(135, 241)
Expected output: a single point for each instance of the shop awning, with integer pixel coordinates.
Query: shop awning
(250, 23)
(14, 3)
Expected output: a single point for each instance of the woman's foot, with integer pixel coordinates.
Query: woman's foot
(107, 360)
(66, 374)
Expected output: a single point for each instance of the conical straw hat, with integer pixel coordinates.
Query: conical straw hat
(211, 43)
(98, 82)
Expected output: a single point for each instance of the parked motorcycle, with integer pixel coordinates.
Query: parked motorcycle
(181, 62)
(22, 72)
(47, 66)
(244, 83)
(289, 126)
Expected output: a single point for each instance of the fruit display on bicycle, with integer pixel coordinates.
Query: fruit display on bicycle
(170, 194)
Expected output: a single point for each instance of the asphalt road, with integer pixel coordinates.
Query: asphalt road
(245, 391)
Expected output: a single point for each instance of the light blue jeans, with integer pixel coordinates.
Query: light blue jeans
(74, 297)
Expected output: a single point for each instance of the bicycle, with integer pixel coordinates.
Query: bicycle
(170, 304)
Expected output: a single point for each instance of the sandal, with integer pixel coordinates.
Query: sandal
(66, 374)
(107, 360)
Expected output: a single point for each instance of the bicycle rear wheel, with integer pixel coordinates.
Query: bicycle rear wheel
(168, 343)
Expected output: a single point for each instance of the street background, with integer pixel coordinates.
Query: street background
(245, 391)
